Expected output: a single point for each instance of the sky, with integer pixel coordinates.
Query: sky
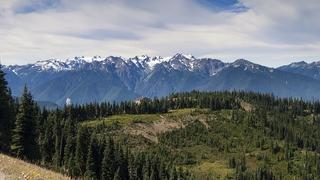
(271, 33)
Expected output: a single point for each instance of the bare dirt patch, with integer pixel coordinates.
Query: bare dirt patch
(246, 106)
(204, 122)
(165, 124)
(151, 130)
(2, 176)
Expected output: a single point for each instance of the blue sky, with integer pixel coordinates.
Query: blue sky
(269, 32)
(35, 6)
(222, 5)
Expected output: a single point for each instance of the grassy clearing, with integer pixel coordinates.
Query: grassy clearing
(11, 168)
(214, 170)
(123, 119)
(126, 119)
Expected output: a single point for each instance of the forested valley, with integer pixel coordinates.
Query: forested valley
(204, 135)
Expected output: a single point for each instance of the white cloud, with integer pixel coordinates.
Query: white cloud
(270, 32)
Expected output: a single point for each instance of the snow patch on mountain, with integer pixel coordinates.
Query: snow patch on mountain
(147, 62)
(142, 63)
(298, 64)
(247, 65)
(15, 72)
(51, 64)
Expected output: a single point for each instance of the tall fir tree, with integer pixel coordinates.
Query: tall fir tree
(122, 164)
(91, 164)
(117, 175)
(81, 150)
(58, 141)
(46, 144)
(108, 163)
(70, 129)
(71, 166)
(6, 113)
(24, 138)
(106, 169)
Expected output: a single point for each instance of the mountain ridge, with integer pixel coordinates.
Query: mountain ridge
(115, 78)
(303, 68)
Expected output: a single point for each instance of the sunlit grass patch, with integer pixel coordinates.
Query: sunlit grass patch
(217, 170)
(126, 119)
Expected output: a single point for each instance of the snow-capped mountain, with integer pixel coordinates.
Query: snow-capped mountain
(113, 78)
(144, 62)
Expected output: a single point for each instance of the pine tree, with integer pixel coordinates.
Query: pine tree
(46, 144)
(24, 137)
(57, 149)
(70, 133)
(173, 174)
(138, 166)
(126, 165)
(154, 175)
(146, 168)
(71, 166)
(132, 167)
(122, 164)
(6, 113)
(81, 150)
(91, 167)
(163, 172)
(117, 175)
(106, 168)
(108, 163)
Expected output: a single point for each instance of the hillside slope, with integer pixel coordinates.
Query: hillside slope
(213, 144)
(196, 135)
(11, 168)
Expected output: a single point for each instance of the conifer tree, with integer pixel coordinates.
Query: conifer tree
(70, 133)
(122, 164)
(146, 168)
(24, 138)
(6, 113)
(91, 167)
(162, 173)
(106, 167)
(132, 167)
(81, 151)
(108, 163)
(46, 145)
(58, 136)
(71, 166)
(117, 175)
(173, 174)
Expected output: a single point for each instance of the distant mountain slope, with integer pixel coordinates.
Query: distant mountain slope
(311, 70)
(47, 105)
(83, 87)
(113, 78)
(243, 75)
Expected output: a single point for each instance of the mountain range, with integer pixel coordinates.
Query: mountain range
(98, 79)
